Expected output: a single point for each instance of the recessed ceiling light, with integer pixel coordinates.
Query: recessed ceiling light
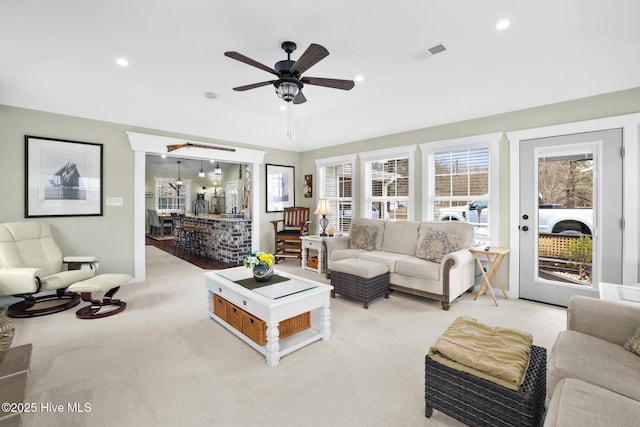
(359, 78)
(283, 107)
(211, 95)
(503, 24)
(122, 62)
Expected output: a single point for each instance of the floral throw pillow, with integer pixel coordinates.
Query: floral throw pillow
(437, 244)
(633, 343)
(363, 237)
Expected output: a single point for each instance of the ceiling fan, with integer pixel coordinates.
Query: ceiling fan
(290, 81)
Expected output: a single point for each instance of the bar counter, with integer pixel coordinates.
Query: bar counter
(228, 236)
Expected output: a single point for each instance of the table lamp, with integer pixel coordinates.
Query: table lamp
(323, 209)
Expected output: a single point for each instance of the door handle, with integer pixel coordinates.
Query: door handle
(525, 228)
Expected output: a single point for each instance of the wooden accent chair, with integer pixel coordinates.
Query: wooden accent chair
(287, 232)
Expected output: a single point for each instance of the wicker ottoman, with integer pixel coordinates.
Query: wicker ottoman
(478, 402)
(360, 280)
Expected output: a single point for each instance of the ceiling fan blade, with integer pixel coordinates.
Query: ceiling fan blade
(253, 86)
(309, 58)
(333, 83)
(299, 99)
(240, 57)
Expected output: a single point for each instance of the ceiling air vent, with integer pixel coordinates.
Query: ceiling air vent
(427, 52)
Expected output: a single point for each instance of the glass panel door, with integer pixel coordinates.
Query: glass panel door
(570, 215)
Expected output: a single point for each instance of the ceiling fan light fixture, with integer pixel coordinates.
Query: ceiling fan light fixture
(287, 90)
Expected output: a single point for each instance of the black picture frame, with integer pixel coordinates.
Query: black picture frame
(62, 177)
(280, 188)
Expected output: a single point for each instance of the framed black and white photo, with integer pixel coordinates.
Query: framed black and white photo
(62, 178)
(280, 187)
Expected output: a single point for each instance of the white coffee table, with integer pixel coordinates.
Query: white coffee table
(273, 304)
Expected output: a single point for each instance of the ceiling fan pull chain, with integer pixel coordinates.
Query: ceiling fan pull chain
(289, 120)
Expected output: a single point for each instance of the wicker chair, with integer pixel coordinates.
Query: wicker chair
(287, 232)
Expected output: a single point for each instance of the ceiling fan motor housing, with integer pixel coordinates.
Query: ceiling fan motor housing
(284, 66)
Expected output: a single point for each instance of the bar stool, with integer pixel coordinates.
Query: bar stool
(179, 233)
(195, 240)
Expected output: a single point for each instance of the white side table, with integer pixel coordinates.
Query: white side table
(313, 242)
(616, 292)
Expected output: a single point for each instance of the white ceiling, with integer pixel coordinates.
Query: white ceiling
(60, 56)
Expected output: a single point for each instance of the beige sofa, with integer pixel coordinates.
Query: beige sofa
(401, 246)
(592, 380)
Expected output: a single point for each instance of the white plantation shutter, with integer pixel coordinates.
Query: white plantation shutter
(462, 174)
(336, 185)
(387, 183)
(461, 177)
(389, 188)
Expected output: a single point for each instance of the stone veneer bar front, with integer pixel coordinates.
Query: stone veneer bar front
(227, 239)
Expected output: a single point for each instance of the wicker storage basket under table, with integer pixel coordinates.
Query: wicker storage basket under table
(359, 288)
(256, 328)
(478, 402)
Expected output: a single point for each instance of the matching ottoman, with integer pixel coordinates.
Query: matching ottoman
(479, 402)
(361, 280)
(108, 283)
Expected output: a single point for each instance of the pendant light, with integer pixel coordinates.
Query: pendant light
(201, 174)
(217, 170)
(179, 181)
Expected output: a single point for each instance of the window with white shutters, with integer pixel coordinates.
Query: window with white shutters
(461, 183)
(387, 183)
(335, 182)
(389, 188)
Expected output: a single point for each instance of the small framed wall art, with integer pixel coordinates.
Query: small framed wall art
(308, 186)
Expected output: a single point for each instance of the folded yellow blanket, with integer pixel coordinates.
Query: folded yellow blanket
(499, 355)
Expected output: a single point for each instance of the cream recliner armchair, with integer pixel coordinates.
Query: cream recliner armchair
(31, 263)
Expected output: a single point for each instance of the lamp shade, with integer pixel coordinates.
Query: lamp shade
(323, 208)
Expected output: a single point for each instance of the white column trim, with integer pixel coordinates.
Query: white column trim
(142, 144)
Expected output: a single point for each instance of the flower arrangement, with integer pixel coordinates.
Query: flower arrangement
(262, 259)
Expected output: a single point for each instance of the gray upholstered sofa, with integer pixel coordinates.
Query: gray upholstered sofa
(410, 250)
(592, 380)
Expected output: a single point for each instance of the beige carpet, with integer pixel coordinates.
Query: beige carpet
(162, 362)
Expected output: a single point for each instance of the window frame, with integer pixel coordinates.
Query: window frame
(489, 141)
(321, 187)
(187, 193)
(366, 158)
